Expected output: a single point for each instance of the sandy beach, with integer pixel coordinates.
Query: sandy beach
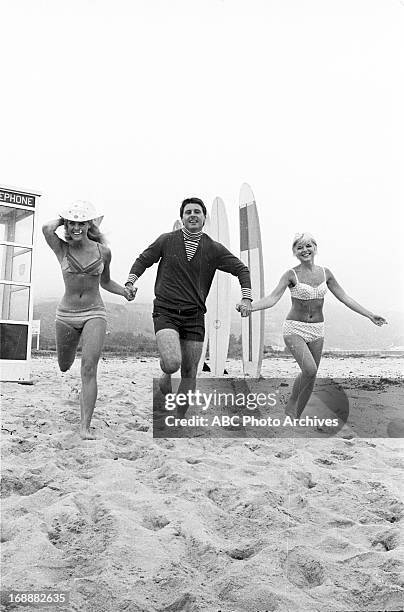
(132, 523)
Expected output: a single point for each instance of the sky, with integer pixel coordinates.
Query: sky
(135, 105)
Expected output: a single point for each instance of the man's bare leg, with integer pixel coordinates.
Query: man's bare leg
(168, 344)
(191, 351)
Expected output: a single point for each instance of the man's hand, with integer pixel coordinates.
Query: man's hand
(130, 292)
(244, 307)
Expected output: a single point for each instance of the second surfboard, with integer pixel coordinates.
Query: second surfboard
(218, 302)
(252, 328)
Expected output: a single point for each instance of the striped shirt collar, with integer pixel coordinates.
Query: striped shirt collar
(191, 236)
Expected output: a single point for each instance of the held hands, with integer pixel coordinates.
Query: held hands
(244, 308)
(378, 320)
(130, 292)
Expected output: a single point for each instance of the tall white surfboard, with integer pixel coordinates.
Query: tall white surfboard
(176, 226)
(252, 328)
(206, 229)
(218, 302)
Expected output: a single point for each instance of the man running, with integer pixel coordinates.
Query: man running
(188, 260)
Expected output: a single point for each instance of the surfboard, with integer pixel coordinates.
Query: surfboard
(206, 229)
(176, 226)
(218, 303)
(252, 328)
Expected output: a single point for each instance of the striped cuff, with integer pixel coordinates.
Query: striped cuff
(246, 293)
(132, 278)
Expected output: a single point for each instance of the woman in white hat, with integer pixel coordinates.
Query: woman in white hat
(85, 260)
(303, 330)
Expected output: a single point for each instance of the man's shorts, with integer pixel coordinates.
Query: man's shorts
(190, 324)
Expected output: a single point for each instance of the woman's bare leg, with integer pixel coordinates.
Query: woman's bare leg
(93, 335)
(308, 356)
(67, 340)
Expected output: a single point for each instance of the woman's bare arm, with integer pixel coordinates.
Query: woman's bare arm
(270, 300)
(49, 231)
(343, 297)
(274, 297)
(110, 285)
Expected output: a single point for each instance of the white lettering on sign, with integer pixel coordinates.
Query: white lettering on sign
(17, 198)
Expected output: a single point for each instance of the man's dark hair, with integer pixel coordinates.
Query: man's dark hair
(192, 201)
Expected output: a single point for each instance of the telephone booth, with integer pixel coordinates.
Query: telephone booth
(17, 231)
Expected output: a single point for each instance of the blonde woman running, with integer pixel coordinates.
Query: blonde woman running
(303, 330)
(84, 259)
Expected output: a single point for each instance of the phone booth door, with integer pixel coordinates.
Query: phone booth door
(17, 226)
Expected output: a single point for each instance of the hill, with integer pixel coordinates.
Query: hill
(345, 330)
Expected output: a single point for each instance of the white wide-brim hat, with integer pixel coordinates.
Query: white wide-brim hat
(80, 210)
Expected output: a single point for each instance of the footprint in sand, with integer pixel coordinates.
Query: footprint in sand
(302, 568)
(184, 603)
(83, 531)
(241, 553)
(137, 426)
(21, 484)
(284, 454)
(155, 522)
(128, 454)
(21, 445)
(67, 441)
(323, 461)
(386, 540)
(341, 455)
(192, 460)
(8, 532)
(305, 478)
(224, 496)
(381, 506)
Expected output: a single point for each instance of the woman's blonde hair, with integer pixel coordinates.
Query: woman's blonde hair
(303, 237)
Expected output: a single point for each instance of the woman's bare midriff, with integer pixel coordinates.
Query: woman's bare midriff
(309, 311)
(81, 291)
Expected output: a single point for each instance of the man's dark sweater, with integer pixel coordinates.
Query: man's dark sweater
(183, 284)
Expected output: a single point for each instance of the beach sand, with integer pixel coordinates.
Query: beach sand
(132, 523)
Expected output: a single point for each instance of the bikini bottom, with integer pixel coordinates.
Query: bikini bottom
(308, 331)
(78, 318)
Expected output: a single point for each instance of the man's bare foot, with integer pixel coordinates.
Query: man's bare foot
(165, 384)
(87, 434)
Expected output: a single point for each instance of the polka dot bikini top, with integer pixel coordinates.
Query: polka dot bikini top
(302, 291)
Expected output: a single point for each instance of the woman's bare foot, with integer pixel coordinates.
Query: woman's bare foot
(87, 434)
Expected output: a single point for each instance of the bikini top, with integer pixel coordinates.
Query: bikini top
(303, 291)
(71, 264)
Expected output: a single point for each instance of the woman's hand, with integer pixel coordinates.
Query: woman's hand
(130, 293)
(378, 320)
(53, 240)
